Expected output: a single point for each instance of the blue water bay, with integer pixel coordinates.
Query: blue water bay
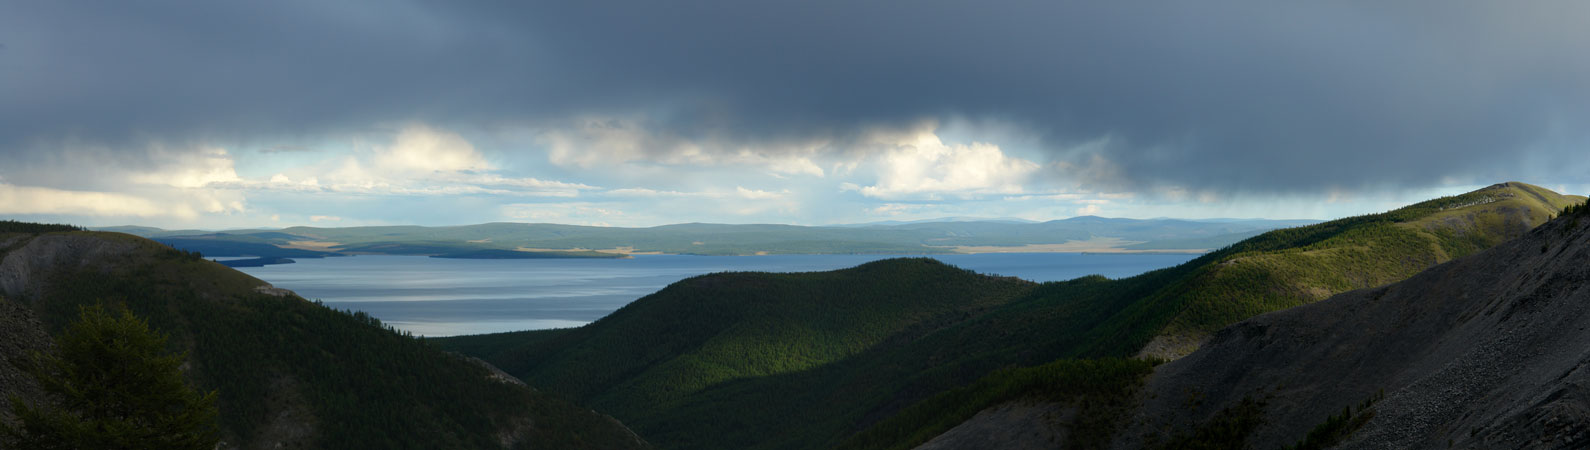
(446, 297)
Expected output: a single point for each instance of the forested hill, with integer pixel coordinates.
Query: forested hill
(290, 373)
(660, 353)
(832, 399)
(711, 329)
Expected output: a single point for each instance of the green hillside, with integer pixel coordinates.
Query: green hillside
(289, 371)
(844, 393)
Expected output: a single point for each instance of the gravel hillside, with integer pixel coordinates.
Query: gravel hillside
(20, 336)
(1486, 351)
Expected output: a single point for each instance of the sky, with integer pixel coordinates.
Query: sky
(638, 113)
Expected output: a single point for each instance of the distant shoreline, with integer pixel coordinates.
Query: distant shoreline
(1112, 251)
(1095, 245)
(629, 253)
(980, 251)
(254, 262)
(1081, 235)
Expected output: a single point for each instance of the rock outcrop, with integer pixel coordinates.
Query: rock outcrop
(1014, 425)
(33, 257)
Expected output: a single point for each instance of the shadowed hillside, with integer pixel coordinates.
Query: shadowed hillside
(290, 373)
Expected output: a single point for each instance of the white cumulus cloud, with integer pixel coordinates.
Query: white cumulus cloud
(923, 165)
(180, 204)
(190, 169)
(605, 141)
(420, 160)
(421, 148)
(755, 194)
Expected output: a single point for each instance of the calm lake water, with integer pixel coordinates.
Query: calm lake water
(446, 297)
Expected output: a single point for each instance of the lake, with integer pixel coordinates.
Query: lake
(447, 297)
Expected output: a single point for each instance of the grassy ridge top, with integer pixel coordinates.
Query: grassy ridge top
(1286, 268)
(291, 371)
(836, 397)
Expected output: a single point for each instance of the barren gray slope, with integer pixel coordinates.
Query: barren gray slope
(1016, 425)
(1486, 351)
(20, 336)
(25, 260)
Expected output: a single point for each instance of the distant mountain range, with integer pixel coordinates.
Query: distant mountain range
(940, 219)
(950, 235)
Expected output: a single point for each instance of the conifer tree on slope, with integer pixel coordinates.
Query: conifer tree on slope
(113, 386)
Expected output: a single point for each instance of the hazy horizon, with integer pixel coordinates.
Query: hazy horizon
(912, 221)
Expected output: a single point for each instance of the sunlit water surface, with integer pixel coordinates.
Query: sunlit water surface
(446, 297)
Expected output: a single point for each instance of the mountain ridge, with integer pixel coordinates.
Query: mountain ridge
(1451, 226)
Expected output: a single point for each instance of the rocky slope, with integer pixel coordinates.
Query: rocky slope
(20, 335)
(1486, 351)
(1019, 425)
(29, 259)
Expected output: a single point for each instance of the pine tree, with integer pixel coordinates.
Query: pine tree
(114, 387)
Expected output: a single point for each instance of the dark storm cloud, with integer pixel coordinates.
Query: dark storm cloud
(1210, 95)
